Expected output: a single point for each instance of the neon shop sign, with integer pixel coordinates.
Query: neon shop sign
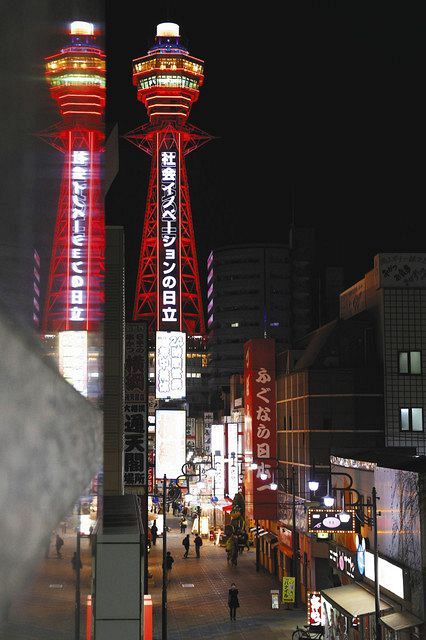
(78, 263)
(169, 232)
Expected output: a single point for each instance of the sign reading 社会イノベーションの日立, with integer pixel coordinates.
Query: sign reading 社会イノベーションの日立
(169, 231)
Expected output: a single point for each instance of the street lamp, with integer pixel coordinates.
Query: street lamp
(343, 516)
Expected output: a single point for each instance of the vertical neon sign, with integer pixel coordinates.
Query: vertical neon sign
(169, 246)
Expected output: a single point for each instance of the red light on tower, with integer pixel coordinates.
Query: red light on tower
(76, 77)
(168, 293)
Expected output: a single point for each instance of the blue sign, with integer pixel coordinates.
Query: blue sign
(155, 499)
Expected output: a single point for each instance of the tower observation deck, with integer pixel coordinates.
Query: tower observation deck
(168, 80)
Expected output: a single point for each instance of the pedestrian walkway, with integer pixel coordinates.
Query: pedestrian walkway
(198, 595)
(44, 609)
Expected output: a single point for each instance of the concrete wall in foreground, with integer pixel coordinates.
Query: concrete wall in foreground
(50, 449)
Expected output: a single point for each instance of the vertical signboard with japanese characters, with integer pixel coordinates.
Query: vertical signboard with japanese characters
(260, 426)
(170, 364)
(218, 450)
(207, 435)
(136, 407)
(168, 207)
(232, 447)
(77, 305)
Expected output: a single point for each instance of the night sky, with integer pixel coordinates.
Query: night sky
(320, 99)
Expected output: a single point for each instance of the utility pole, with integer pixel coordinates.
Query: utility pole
(257, 546)
(77, 577)
(376, 567)
(294, 539)
(164, 590)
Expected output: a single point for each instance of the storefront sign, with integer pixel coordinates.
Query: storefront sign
(218, 450)
(391, 577)
(260, 427)
(289, 589)
(232, 437)
(344, 561)
(207, 435)
(327, 520)
(314, 608)
(136, 405)
(275, 597)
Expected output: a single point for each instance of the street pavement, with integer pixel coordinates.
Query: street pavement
(44, 608)
(197, 595)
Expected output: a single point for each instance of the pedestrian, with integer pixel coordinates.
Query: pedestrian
(185, 511)
(186, 542)
(245, 540)
(241, 543)
(234, 550)
(74, 562)
(169, 565)
(233, 602)
(198, 543)
(58, 544)
(154, 533)
(183, 524)
(228, 547)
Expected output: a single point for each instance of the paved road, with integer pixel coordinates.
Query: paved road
(44, 608)
(201, 611)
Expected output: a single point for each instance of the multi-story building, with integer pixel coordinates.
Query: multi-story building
(256, 291)
(356, 381)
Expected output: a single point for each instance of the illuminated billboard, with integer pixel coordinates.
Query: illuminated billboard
(170, 365)
(328, 520)
(73, 359)
(260, 427)
(170, 450)
(169, 224)
(218, 450)
(232, 438)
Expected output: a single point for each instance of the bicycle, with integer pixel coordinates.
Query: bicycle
(308, 632)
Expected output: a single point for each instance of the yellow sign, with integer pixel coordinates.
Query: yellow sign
(289, 589)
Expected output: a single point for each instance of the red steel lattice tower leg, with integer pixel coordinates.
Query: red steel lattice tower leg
(168, 292)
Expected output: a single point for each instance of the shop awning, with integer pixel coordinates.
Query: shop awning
(401, 620)
(353, 600)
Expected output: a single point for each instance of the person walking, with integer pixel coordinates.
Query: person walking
(74, 562)
(58, 544)
(154, 533)
(183, 524)
(186, 542)
(234, 550)
(228, 547)
(198, 543)
(169, 565)
(233, 602)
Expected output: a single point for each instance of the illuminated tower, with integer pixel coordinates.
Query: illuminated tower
(168, 293)
(76, 76)
(74, 297)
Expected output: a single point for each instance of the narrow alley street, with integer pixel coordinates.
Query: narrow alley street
(198, 595)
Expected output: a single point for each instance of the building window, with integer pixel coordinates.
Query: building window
(410, 362)
(411, 419)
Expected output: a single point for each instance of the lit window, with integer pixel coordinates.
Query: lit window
(411, 419)
(235, 324)
(410, 362)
